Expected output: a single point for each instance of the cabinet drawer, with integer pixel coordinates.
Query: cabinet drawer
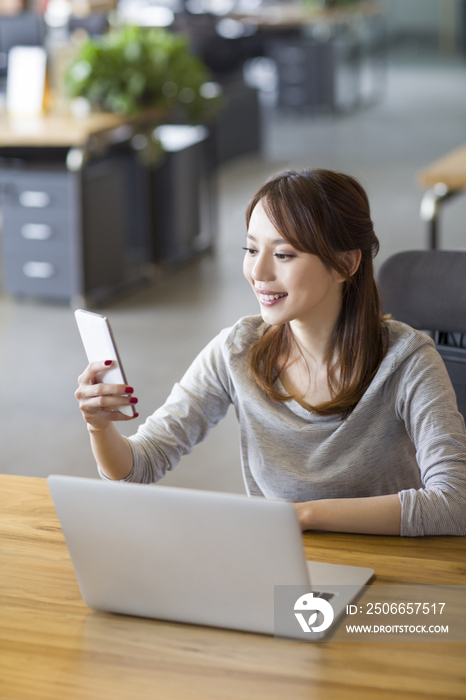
(42, 276)
(47, 228)
(33, 192)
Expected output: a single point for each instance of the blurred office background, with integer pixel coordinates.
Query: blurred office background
(398, 102)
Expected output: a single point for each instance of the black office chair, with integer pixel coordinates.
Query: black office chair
(427, 290)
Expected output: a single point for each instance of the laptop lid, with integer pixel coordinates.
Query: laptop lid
(179, 554)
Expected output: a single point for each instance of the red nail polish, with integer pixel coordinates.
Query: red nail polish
(136, 415)
(108, 362)
(133, 400)
(129, 390)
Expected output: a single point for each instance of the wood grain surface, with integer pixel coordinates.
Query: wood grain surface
(52, 647)
(55, 129)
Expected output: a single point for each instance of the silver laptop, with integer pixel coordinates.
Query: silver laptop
(191, 556)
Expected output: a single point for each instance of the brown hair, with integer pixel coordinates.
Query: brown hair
(326, 213)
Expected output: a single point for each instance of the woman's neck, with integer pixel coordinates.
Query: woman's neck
(311, 346)
(312, 337)
(305, 374)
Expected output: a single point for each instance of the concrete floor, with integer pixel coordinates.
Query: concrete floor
(161, 328)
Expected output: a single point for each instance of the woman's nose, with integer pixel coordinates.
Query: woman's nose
(263, 270)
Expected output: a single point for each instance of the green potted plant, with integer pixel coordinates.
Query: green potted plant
(132, 70)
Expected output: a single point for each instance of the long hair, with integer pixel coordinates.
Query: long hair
(326, 213)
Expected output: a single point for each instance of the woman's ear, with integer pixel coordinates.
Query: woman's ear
(351, 260)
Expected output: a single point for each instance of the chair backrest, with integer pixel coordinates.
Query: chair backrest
(427, 290)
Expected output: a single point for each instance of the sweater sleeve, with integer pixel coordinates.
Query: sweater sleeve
(196, 404)
(426, 403)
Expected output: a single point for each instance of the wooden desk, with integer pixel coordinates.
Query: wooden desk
(56, 129)
(52, 647)
(445, 178)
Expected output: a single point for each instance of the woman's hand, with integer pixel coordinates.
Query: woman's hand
(99, 402)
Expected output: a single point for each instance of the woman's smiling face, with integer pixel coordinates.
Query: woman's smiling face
(290, 285)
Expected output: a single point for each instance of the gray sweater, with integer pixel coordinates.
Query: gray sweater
(405, 436)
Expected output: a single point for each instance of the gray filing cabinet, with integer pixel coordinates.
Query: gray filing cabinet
(305, 73)
(37, 236)
(182, 194)
(67, 235)
(237, 129)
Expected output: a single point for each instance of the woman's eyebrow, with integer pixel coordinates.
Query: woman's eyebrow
(276, 240)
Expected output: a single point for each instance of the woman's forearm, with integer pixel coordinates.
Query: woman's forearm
(112, 452)
(376, 515)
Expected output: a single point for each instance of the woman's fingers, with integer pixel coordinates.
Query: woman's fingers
(100, 410)
(93, 370)
(106, 416)
(89, 390)
(102, 402)
(104, 397)
(99, 402)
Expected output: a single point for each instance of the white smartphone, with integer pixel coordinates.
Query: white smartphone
(99, 344)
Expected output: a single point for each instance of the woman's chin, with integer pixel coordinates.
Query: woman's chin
(272, 317)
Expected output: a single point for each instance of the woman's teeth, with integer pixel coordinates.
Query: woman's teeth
(271, 297)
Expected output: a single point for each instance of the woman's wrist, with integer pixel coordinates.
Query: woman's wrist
(94, 428)
(305, 512)
(112, 452)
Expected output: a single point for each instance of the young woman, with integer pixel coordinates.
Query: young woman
(350, 416)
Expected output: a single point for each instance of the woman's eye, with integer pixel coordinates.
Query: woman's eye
(284, 256)
(251, 251)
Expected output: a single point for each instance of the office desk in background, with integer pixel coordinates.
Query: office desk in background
(89, 205)
(53, 647)
(67, 206)
(328, 59)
